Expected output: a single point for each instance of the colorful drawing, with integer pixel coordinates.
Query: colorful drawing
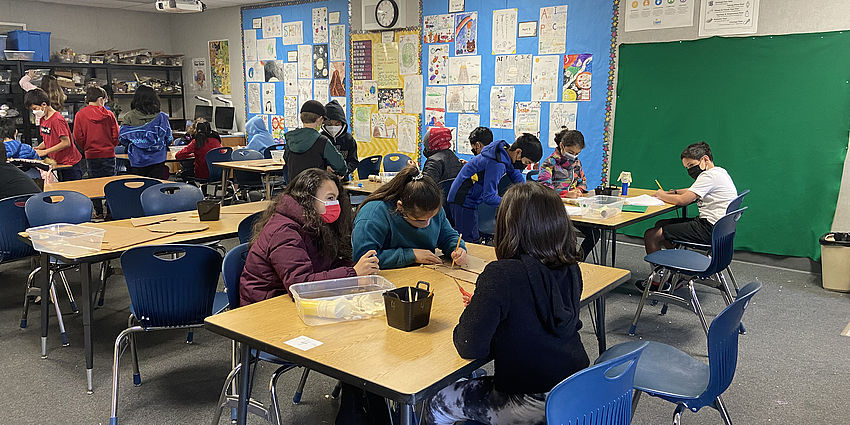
(577, 76)
(320, 61)
(390, 101)
(466, 33)
(220, 66)
(438, 64)
(384, 126)
(337, 79)
(437, 29)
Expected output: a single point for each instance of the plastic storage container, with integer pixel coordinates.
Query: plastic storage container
(19, 55)
(340, 300)
(277, 155)
(68, 240)
(409, 308)
(601, 206)
(3, 39)
(835, 261)
(37, 41)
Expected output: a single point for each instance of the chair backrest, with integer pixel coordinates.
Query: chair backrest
(723, 242)
(244, 154)
(13, 220)
(486, 219)
(736, 203)
(222, 154)
(124, 197)
(395, 162)
(504, 183)
(231, 272)
(246, 177)
(167, 198)
(171, 285)
(532, 175)
(58, 206)
(601, 395)
(369, 166)
(723, 343)
(267, 152)
(246, 226)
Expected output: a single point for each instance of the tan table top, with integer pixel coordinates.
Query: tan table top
(92, 188)
(626, 218)
(389, 361)
(362, 186)
(254, 165)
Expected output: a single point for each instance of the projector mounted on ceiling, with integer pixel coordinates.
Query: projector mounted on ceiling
(180, 6)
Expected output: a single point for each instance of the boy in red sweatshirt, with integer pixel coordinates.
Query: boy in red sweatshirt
(96, 133)
(55, 134)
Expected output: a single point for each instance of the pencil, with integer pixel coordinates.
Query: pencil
(459, 236)
(659, 184)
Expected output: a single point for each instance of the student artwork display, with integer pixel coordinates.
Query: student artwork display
(408, 54)
(255, 100)
(250, 37)
(293, 33)
(320, 61)
(333, 18)
(728, 17)
(337, 83)
(465, 124)
(384, 126)
(462, 99)
(527, 118)
(292, 56)
(438, 29)
(513, 69)
(434, 118)
(305, 91)
(435, 98)
(290, 78)
(466, 33)
(254, 72)
(266, 49)
(364, 92)
(269, 100)
(290, 111)
(504, 31)
(385, 65)
(320, 25)
(408, 132)
(465, 70)
(321, 91)
(220, 67)
(337, 43)
(305, 61)
(199, 74)
(544, 78)
(552, 34)
(561, 115)
(273, 71)
(502, 107)
(577, 77)
(390, 101)
(362, 123)
(361, 60)
(455, 6)
(412, 94)
(438, 64)
(271, 26)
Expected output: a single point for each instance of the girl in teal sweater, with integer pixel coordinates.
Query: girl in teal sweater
(404, 222)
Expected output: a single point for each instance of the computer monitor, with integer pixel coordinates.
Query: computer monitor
(204, 111)
(224, 118)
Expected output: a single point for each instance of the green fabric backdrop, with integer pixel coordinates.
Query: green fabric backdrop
(775, 111)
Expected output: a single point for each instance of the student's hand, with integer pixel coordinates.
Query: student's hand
(459, 257)
(368, 264)
(31, 73)
(40, 152)
(423, 256)
(575, 193)
(463, 161)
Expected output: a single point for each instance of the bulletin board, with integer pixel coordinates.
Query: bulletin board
(386, 92)
(521, 66)
(294, 52)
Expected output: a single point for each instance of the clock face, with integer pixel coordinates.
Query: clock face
(386, 13)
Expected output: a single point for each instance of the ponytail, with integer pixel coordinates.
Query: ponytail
(202, 132)
(414, 189)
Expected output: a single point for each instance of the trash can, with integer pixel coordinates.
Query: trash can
(835, 261)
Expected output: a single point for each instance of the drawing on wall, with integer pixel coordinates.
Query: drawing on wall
(408, 133)
(504, 31)
(305, 61)
(456, 6)
(408, 54)
(438, 64)
(255, 100)
(321, 91)
(254, 71)
(465, 124)
(250, 37)
(362, 123)
(527, 118)
(513, 69)
(290, 111)
(413, 94)
(465, 70)
(337, 43)
(434, 118)
(273, 71)
(220, 66)
(269, 101)
(305, 92)
(364, 92)
(385, 64)
(293, 33)
(290, 78)
(561, 116)
(337, 83)
(553, 30)
(333, 18)
(502, 107)
(438, 29)
(320, 25)
(390, 101)
(577, 77)
(544, 78)
(466, 33)
(271, 26)
(266, 49)
(320, 61)
(199, 74)
(462, 99)
(384, 126)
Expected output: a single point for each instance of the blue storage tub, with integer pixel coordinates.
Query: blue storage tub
(37, 41)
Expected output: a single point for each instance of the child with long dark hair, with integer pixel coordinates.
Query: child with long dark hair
(204, 141)
(404, 222)
(303, 236)
(524, 315)
(146, 133)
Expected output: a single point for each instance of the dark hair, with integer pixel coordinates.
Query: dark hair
(54, 91)
(532, 220)
(94, 93)
(309, 117)
(416, 191)
(36, 97)
(331, 239)
(146, 101)
(569, 138)
(530, 146)
(108, 90)
(696, 151)
(7, 128)
(2, 153)
(482, 135)
(202, 132)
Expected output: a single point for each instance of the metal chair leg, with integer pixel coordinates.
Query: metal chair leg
(137, 377)
(728, 293)
(635, 400)
(300, 390)
(732, 278)
(68, 291)
(643, 297)
(677, 415)
(27, 296)
(53, 298)
(222, 399)
(113, 419)
(274, 409)
(697, 307)
(718, 404)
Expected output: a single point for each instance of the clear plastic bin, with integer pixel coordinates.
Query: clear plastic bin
(19, 55)
(340, 300)
(175, 149)
(601, 206)
(277, 155)
(68, 240)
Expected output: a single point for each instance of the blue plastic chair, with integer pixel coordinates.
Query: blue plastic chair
(369, 166)
(247, 180)
(222, 154)
(531, 176)
(14, 219)
(167, 198)
(486, 222)
(246, 226)
(171, 287)
(394, 162)
(124, 196)
(670, 374)
(681, 263)
(599, 395)
(267, 152)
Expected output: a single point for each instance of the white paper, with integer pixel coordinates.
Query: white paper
(255, 100)
(320, 25)
(290, 78)
(527, 118)
(271, 26)
(438, 64)
(561, 115)
(544, 78)
(267, 49)
(290, 111)
(303, 343)
(385, 126)
(413, 94)
(726, 17)
(250, 45)
(527, 29)
(269, 100)
(435, 98)
(364, 92)
(337, 43)
(333, 18)
(465, 124)
(513, 69)
(438, 28)
(321, 91)
(552, 30)
(254, 72)
(465, 70)
(257, 23)
(502, 107)
(462, 99)
(504, 31)
(455, 6)
(572, 210)
(292, 56)
(654, 15)
(644, 201)
(293, 33)
(387, 36)
(408, 126)
(362, 123)
(305, 92)
(305, 61)
(408, 54)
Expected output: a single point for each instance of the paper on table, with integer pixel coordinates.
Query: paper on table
(115, 237)
(177, 227)
(144, 221)
(303, 343)
(645, 200)
(469, 273)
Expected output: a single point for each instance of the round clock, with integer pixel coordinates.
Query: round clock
(386, 13)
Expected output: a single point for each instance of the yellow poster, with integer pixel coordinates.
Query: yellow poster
(385, 65)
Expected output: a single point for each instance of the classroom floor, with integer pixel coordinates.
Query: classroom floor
(792, 369)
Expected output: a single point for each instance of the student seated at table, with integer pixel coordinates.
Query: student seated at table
(480, 137)
(478, 181)
(204, 141)
(13, 181)
(404, 222)
(257, 135)
(146, 133)
(56, 135)
(442, 163)
(303, 236)
(713, 190)
(562, 172)
(524, 315)
(307, 148)
(16, 149)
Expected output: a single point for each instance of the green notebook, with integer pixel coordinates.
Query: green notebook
(634, 208)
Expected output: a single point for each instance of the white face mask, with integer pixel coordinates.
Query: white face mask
(38, 113)
(334, 130)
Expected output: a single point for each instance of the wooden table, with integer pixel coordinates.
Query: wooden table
(407, 367)
(365, 187)
(92, 188)
(265, 167)
(226, 227)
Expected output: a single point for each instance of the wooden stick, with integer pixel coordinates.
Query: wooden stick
(459, 236)
(659, 184)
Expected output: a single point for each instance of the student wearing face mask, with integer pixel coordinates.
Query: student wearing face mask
(303, 236)
(478, 180)
(480, 137)
(404, 223)
(56, 135)
(307, 148)
(335, 128)
(712, 189)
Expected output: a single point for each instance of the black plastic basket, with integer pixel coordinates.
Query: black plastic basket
(409, 308)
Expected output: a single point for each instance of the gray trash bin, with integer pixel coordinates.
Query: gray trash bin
(835, 261)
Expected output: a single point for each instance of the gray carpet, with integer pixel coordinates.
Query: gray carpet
(793, 364)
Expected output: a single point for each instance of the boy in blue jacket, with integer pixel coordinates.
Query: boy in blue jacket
(478, 180)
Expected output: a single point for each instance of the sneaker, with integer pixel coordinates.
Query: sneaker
(641, 284)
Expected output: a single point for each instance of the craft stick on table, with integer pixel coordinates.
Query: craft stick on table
(459, 236)
(659, 184)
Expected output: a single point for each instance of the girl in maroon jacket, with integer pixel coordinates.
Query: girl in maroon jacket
(304, 236)
(204, 141)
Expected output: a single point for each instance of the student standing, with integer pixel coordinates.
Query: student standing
(335, 128)
(257, 135)
(307, 148)
(147, 134)
(480, 137)
(96, 132)
(441, 163)
(13, 181)
(204, 141)
(478, 181)
(524, 315)
(56, 135)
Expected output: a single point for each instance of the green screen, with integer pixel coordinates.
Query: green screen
(775, 111)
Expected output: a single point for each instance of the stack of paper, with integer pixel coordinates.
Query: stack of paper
(645, 200)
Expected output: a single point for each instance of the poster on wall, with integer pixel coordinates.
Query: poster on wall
(413, 94)
(408, 54)
(290, 111)
(513, 70)
(577, 77)
(435, 118)
(438, 29)
(320, 61)
(465, 124)
(321, 91)
(408, 133)
(384, 126)
(726, 17)
(641, 15)
(552, 33)
(320, 25)
(269, 101)
(462, 99)
(466, 33)
(504, 31)
(527, 118)
(266, 49)
(561, 116)
(364, 92)
(337, 83)
(390, 101)
(271, 26)
(385, 64)
(456, 6)
(438, 64)
(290, 78)
(305, 92)
(220, 67)
(305, 61)
(199, 74)
(465, 70)
(361, 60)
(254, 72)
(293, 33)
(337, 43)
(362, 123)
(250, 37)
(544, 78)
(273, 71)
(502, 107)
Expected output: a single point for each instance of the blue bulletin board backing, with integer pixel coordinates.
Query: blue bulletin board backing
(589, 31)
